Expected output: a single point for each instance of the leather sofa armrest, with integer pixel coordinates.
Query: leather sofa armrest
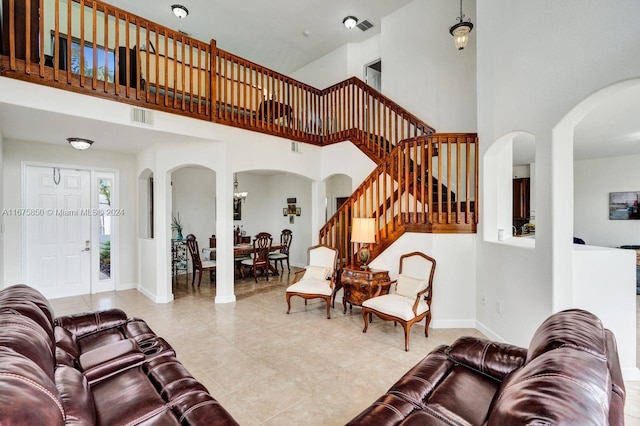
(492, 359)
(106, 360)
(87, 323)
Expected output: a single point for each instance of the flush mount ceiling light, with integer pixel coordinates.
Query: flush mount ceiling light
(80, 143)
(461, 30)
(350, 22)
(180, 11)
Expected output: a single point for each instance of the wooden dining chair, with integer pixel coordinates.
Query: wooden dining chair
(198, 264)
(260, 260)
(283, 254)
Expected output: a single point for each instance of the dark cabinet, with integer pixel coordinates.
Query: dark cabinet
(521, 194)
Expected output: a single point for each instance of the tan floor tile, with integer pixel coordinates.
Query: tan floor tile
(267, 367)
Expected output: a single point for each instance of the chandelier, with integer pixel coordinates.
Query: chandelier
(237, 195)
(461, 30)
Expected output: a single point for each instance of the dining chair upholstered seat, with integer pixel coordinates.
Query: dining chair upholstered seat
(317, 279)
(409, 298)
(283, 254)
(197, 263)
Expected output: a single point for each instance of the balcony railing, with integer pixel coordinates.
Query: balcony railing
(96, 49)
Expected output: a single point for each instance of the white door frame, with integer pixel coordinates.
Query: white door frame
(96, 286)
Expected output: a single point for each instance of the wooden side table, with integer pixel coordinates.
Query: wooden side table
(359, 285)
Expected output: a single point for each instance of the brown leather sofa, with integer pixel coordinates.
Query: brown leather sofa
(99, 368)
(570, 374)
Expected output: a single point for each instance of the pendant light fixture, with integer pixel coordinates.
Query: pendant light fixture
(461, 30)
(237, 195)
(179, 10)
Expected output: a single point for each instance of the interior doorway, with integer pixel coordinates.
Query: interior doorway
(373, 74)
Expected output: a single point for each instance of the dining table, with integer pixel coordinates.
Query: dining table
(240, 250)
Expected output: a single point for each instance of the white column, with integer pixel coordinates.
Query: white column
(224, 236)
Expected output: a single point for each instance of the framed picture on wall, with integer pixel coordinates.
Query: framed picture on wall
(237, 210)
(298, 211)
(285, 211)
(624, 205)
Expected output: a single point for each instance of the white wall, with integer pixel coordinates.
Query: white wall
(194, 197)
(338, 186)
(423, 71)
(453, 282)
(326, 71)
(593, 181)
(15, 152)
(616, 287)
(528, 80)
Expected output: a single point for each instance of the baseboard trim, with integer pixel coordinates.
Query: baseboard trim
(225, 299)
(488, 332)
(147, 293)
(454, 323)
(127, 286)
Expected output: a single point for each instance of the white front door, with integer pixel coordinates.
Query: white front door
(58, 231)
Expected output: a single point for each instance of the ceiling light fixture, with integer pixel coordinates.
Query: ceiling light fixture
(350, 22)
(80, 144)
(179, 10)
(461, 30)
(237, 195)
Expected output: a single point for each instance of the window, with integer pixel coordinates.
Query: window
(105, 58)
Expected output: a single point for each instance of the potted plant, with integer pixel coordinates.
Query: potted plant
(176, 225)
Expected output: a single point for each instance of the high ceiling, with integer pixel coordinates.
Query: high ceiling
(269, 32)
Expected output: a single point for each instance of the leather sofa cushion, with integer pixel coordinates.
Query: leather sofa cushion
(24, 336)
(22, 292)
(486, 357)
(564, 386)
(572, 328)
(199, 408)
(126, 398)
(67, 341)
(419, 382)
(76, 396)
(102, 362)
(32, 311)
(87, 323)
(170, 378)
(138, 329)
(389, 409)
(27, 395)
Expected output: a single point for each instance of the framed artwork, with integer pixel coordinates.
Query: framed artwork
(624, 205)
(291, 200)
(291, 209)
(237, 210)
(298, 211)
(285, 211)
(291, 219)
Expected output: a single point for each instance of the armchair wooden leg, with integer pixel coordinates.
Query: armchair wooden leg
(407, 329)
(427, 321)
(288, 296)
(365, 317)
(328, 300)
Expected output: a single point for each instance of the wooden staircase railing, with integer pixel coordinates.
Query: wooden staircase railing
(399, 193)
(90, 47)
(423, 182)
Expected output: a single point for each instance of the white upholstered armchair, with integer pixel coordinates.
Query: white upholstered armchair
(409, 298)
(317, 280)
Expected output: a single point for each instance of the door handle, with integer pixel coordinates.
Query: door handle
(87, 245)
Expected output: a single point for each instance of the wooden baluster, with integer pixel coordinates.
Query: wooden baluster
(449, 142)
(476, 210)
(127, 59)
(176, 70)
(187, 68)
(69, 35)
(439, 179)
(116, 74)
(157, 61)
(95, 44)
(40, 36)
(27, 35)
(416, 166)
(458, 143)
(430, 179)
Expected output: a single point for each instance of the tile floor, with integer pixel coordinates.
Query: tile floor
(269, 368)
